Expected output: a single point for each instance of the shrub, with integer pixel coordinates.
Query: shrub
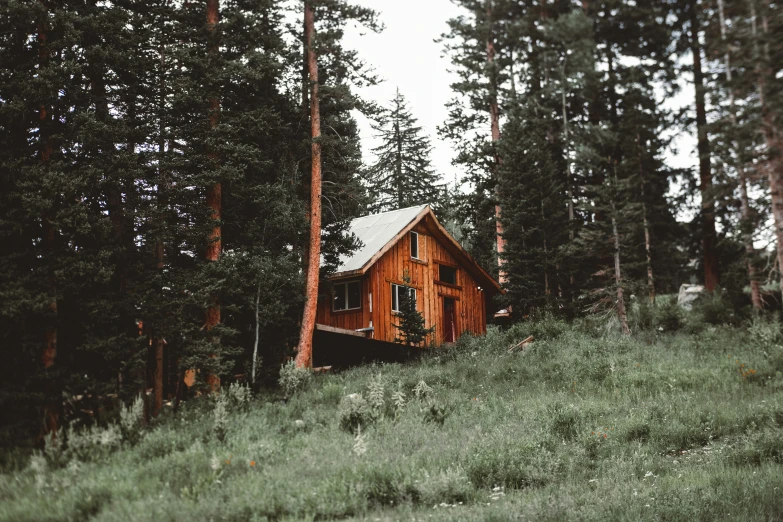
(376, 397)
(543, 326)
(354, 413)
(565, 420)
(512, 466)
(93, 443)
(638, 431)
(437, 413)
(714, 309)
(450, 486)
(398, 400)
(132, 420)
(422, 390)
(765, 333)
(54, 449)
(238, 396)
(669, 315)
(293, 379)
(220, 425)
(642, 315)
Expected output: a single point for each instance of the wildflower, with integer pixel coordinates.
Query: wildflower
(228, 461)
(592, 433)
(252, 463)
(604, 435)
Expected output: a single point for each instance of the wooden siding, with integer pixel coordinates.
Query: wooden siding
(391, 267)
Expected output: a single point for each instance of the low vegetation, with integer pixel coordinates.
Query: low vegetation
(583, 423)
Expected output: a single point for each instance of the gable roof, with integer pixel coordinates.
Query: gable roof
(379, 232)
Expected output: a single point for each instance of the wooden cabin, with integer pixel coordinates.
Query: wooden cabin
(452, 291)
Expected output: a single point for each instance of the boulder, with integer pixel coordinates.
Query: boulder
(689, 294)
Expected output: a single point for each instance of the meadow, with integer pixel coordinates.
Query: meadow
(583, 424)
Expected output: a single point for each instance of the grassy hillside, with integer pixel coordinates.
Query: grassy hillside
(580, 425)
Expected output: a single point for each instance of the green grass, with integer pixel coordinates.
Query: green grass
(578, 426)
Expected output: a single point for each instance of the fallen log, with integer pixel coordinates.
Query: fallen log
(520, 345)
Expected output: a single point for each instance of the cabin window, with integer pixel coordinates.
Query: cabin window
(447, 274)
(397, 293)
(415, 245)
(347, 296)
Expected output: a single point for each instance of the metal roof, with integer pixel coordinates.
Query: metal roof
(374, 232)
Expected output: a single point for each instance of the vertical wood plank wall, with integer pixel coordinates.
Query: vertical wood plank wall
(470, 302)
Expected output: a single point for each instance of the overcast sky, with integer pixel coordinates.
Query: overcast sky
(405, 55)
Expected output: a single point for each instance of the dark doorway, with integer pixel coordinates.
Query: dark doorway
(449, 320)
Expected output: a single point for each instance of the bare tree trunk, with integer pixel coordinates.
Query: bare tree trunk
(494, 117)
(705, 174)
(771, 137)
(618, 277)
(255, 345)
(647, 242)
(304, 357)
(214, 193)
(745, 224)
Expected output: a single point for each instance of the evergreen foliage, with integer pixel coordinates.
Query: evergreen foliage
(402, 175)
(410, 322)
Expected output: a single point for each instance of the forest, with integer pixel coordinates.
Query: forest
(178, 176)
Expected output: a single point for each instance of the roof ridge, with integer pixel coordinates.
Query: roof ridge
(392, 211)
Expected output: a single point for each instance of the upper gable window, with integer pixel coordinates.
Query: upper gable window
(447, 274)
(347, 296)
(415, 245)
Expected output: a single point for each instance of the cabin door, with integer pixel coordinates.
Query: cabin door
(449, 320)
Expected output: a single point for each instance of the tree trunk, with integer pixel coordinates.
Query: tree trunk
(647, 243)
(745, 221)
(214, 192)
(255, 345)
(156, 340)
(52, 406)
(304, 357)
(618, 277)
(771, 137)
(494, 117)
(705, 175)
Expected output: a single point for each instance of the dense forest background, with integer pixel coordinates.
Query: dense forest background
(155, 162)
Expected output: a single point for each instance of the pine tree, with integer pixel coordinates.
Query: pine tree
(402, 174)
(410, 325)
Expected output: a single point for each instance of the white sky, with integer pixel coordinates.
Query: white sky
(406, 56)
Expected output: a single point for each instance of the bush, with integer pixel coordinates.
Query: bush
(714, 309)
(543, 326)
(354, 413)
(669, 315)
(93, 443)
(437, 413)
(238, 396)
(132, 420)
(220, 425)
(642, 315)
(513, 466)
(450, 486)
(765, 333)
(565, 420)
(293, 379)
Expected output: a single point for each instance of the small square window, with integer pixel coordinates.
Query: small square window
(398, 293)
(347, 296)
(447, 274)
(414, 245)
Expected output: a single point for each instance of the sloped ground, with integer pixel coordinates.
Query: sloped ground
(579, 426)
